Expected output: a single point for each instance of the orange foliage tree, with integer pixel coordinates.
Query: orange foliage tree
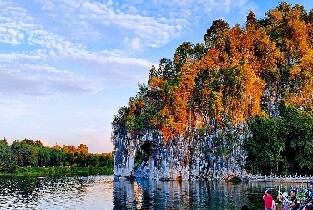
(236, 74)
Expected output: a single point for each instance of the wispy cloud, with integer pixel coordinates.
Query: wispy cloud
(94, 18)
(33, 71)
(29, 79)
(152, 23)
(14, 108)
(61, 53)
(57, 58)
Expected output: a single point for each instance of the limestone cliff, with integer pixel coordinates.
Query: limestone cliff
(200, 157)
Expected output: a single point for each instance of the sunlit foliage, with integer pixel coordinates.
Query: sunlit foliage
(239, 74)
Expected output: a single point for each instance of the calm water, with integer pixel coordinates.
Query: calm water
(100, 192)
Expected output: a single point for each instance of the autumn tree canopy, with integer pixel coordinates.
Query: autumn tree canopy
(236, 74)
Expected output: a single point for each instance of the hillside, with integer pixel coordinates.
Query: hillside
(240, 101)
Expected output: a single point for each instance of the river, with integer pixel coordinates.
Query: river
(101, 192)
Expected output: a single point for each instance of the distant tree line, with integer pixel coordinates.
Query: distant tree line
(33, 153)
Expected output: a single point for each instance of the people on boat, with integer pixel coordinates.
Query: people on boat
(268, 200)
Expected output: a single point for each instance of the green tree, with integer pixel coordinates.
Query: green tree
(57, 157)
(7, 159)
(43, 156)
(265, 147)
(27, 154)
(297, 131)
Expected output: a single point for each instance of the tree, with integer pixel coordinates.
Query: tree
(7, 159)
(57, 157)
(27, 155)
(43, 156)
(264, 148)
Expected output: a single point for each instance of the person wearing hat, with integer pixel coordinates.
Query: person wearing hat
(268, 200)
(284, 201)
(293, 198)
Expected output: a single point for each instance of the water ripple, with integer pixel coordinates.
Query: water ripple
(100, 192)
(56, 193)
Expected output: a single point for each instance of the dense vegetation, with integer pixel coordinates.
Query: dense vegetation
(33, 158)
(259, 76)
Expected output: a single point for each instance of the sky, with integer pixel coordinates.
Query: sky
(66, 66)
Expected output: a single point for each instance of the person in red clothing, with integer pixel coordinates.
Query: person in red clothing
(268, 200)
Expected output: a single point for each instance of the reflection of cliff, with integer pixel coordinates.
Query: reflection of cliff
(151, 194)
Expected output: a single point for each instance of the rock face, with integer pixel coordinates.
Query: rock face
(202, 156)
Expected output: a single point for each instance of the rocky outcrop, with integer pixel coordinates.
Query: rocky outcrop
(198, 156)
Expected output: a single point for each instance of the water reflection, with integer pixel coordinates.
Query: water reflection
(149, 194)
(101, 193)
(56, 192)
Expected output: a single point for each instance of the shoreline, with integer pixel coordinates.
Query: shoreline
(235, 179)
(60, 171)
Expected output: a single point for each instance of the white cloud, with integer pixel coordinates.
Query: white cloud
(133, 43)
(100, 18)
(13, 108)
(32, 72)
(87, 70)
(64, 49)
(34, 79)
(12, 23)
(91, 19)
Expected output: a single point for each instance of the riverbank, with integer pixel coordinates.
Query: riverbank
(60, 170)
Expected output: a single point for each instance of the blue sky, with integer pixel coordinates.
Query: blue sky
(66, 66)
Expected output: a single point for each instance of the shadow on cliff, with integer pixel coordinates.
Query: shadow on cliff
(143, 154)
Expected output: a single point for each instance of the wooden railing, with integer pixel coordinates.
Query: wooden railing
(274, 178)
